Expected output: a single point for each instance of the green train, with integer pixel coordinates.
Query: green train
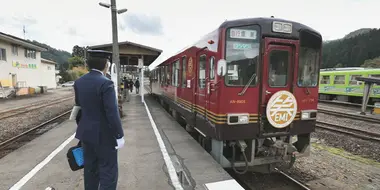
(341, 84)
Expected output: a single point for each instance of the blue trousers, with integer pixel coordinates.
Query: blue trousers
(100, 167)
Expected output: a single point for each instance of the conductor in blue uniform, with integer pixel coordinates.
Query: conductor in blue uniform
(99, 128)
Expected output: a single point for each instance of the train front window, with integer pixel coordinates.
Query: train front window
(278, 68)
(308, 67)
(242, 54)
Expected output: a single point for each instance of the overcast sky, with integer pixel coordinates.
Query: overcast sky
(171, 25)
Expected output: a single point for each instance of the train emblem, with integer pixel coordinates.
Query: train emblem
(281, 109)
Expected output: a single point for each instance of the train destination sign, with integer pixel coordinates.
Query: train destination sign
(281, 109)
(243, 34)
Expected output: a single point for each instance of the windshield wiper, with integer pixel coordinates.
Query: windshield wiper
(247, 85)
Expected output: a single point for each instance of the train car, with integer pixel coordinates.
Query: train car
(341, 84)
(248, 90)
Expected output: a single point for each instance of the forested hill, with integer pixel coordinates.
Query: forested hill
(355, 49)
(53, 54)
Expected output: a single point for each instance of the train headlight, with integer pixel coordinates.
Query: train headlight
(305, 115)
(308, 114)
(237, 118)
(243, 119)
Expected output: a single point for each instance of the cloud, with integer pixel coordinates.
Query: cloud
(142, 24)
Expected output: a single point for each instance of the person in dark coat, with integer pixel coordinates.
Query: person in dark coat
(137, 85)
(99, 126)
(130, 85)
(126, 89)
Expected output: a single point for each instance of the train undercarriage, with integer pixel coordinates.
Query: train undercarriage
(261, 155)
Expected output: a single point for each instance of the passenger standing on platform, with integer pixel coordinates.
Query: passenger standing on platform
(137, 85)
(126, 87)
(99, 129)
(131, 85)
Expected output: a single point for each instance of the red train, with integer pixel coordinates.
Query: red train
(249, 90)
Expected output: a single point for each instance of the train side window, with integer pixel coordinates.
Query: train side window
(339, 79)
(325, 79)
(212, 71)
(278, 68)
(202, 71)
(175, 72)
(375, 76)
(184, 66)
(353, 80)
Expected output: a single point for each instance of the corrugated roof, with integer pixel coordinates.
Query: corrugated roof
(21, 42)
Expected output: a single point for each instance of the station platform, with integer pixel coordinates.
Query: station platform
(158, 154)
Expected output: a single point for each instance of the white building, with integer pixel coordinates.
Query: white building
(21, 64)
(48, 73)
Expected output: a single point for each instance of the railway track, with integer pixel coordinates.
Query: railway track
(31, 107)
(362, 134)
(349, 115)
(31, 132)
(344, 103)
(277, 180)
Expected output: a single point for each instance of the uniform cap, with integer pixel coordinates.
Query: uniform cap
(100, 53)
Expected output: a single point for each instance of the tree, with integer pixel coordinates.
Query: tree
(339, 65)
(76, 62)
(79, 51)
(352, 51)
(372, 63)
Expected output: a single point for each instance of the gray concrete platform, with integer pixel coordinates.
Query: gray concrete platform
(141, 162)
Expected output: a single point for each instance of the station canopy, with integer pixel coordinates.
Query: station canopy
(130, 53)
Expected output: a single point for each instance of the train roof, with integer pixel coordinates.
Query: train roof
(264, 21)
(349, 69)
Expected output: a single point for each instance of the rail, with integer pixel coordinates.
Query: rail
(31, 107)
(277, 176)
(365, 135)
(348, 115)
(9, 141)
(344, 103)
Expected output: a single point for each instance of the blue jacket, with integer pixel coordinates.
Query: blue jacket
(99, 121)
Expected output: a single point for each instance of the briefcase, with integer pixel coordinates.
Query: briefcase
(75, 157)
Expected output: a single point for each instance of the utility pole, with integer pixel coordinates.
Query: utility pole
(115, 43)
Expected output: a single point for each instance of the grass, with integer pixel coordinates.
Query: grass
(345, 154)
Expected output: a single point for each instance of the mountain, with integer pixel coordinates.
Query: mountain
(59, 56)
(357, 32)
(352, 50)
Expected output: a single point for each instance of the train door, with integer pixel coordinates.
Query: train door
(210, 79)
(200, 92)
(278, 68)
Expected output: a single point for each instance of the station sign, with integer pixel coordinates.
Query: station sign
(24, 65)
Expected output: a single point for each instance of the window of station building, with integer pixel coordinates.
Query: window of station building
(30, 53)
(184, 66)
(3, 54)
(325, 79)
(202, 71)
(339, 79)
(278, 68)
(212, 71)
(15, 50)
(353, 80)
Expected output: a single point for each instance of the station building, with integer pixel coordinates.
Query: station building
(21, 64)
